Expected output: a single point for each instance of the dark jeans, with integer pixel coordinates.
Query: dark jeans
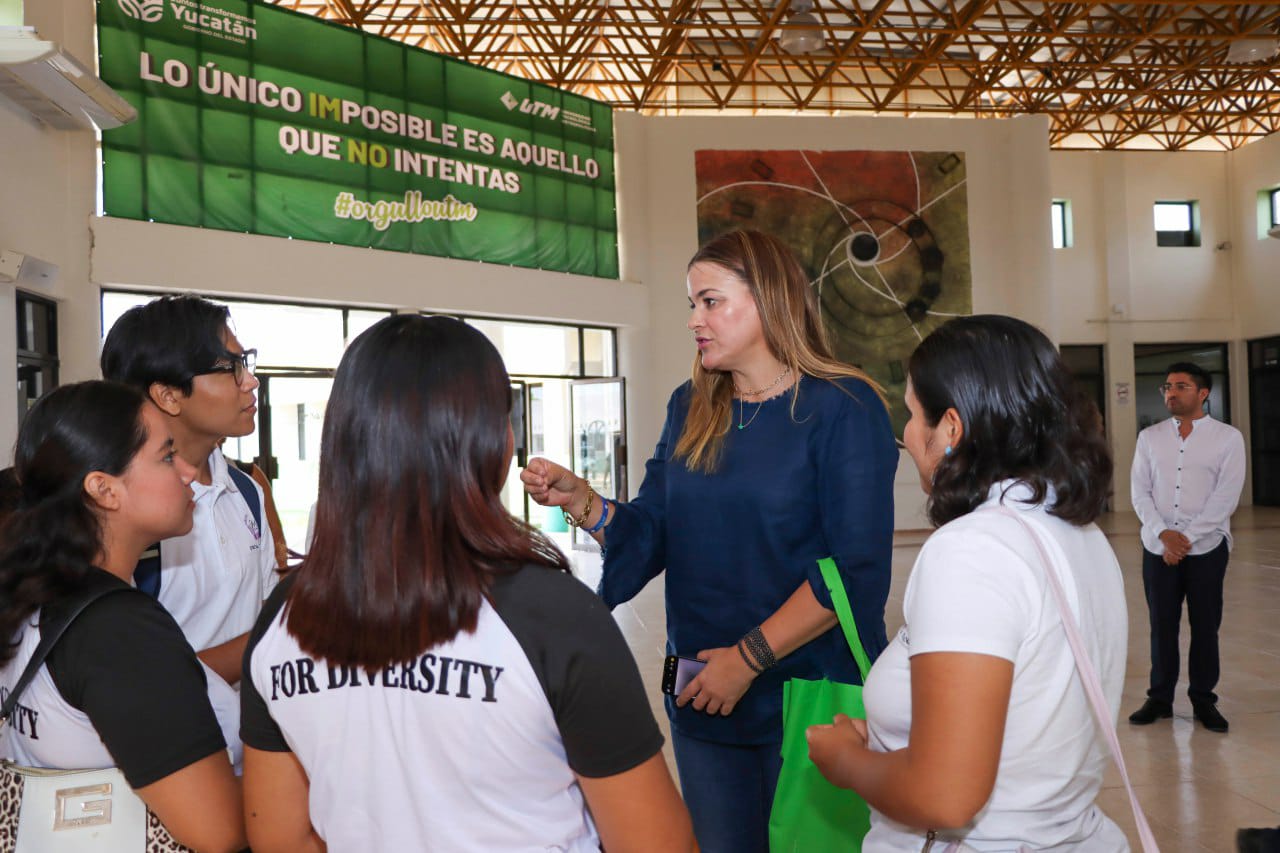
(1198, 579)
(729, 791)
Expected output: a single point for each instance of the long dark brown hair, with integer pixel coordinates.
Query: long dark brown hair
(1022, 414)
(51, 538)
(792, 325)
(410, 526)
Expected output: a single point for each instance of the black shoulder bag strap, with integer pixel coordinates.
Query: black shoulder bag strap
(50, 633)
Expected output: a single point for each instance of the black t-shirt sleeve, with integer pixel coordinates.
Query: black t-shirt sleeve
(126, 665)
(585, 668)
(257, 728)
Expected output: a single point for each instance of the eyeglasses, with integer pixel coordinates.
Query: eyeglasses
(239, 365)
(1179, 386)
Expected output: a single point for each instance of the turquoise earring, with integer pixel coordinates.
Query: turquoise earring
(946, 451)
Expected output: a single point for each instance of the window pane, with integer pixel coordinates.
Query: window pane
(115, 304)
(1155, 358)
(289, 335)
(1275, 207)
(1173, 216)
(36, 332)
(533, 349)
(297, 418)
(1058, 217)
(597, 346)
(284, 335)
(359, 321)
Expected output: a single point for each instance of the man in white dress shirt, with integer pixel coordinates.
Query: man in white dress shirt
(1187, 476)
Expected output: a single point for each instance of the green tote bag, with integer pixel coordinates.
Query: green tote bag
(810, 815)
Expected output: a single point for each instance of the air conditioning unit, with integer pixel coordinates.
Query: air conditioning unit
(49, 83)
(26, 270)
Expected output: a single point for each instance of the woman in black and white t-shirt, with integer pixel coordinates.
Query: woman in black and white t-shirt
(100, 481)
(431, 677)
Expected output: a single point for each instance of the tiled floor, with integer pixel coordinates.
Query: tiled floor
(1197, 787)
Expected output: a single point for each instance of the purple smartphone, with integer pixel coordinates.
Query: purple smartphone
(677, 672)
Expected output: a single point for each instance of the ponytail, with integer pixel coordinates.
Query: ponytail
(49, 542)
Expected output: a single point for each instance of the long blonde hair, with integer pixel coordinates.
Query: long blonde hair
(791, 321)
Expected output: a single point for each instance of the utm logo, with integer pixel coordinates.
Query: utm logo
(509, 100)
(148, 11)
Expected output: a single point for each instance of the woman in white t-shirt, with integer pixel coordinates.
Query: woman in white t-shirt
(431, 677)
(978, 728)
(99, 482)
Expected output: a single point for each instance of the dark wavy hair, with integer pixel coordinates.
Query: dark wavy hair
(410, 525)
(168, 340)
(49, 542)
(1023, 419)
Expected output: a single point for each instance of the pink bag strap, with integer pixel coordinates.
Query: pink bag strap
(1088, 677)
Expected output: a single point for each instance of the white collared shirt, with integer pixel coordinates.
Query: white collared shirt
(215, 578)
(1190, 485)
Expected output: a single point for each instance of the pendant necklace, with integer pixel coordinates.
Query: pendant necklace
(756, 393)
(741, 407)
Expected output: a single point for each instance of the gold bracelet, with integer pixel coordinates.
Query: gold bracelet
(580, 521)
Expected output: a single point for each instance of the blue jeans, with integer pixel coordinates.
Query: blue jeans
(729, 791)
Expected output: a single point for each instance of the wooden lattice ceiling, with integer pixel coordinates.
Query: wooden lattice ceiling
(1143, 74)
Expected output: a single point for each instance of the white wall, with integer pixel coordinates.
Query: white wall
(46, 196)
(1252, 169)
(1117, 288)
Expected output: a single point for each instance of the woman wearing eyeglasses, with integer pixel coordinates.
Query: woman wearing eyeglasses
(182, 352)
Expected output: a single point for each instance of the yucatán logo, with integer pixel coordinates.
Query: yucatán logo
(148, 11)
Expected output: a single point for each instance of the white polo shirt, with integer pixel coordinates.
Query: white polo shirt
(215, 578)
(1190, 485)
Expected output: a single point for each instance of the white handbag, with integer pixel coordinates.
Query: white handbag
(71, 811)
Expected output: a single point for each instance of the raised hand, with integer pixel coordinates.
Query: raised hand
(550, 484)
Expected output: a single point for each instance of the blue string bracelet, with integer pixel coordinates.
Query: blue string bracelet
(604, 516)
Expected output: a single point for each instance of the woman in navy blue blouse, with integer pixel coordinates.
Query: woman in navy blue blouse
(772, 456)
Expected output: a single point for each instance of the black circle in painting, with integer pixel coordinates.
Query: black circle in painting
(916, 310)
(865, 247)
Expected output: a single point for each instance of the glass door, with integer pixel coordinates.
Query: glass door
(513, 494)
(1264, 416)
(290, 418)
(597, 412)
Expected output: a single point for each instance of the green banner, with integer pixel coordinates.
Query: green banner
(257, 119)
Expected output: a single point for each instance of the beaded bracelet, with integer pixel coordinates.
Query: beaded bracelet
(756, 668)
(759, 647)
